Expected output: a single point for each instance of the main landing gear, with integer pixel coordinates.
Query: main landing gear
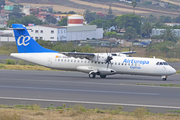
(93, 75)
(164, 78)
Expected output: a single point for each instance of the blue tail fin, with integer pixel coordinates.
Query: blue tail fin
(24, 42)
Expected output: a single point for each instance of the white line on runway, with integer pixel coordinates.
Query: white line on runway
(88, 102)
(77, 90)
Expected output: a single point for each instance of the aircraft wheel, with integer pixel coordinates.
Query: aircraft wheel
(103, 76)
(164, 79)
(92, 75)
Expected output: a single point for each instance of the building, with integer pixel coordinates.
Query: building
(160, 32)
(48, 32)
(65, 33)
(172, 24)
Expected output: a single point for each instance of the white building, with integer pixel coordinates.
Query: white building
(172, 24)
(160, 32)
(48, 32)
(65, 33)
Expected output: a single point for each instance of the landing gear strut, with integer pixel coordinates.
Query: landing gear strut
(103, 76)
(164, 78)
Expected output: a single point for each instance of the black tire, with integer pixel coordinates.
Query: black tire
(92, 75)
(164, 79)
(103, 76)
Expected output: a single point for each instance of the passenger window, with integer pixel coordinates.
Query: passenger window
(88, 61)
(91, 61)
(78, 61)
(68, 60)
(65, 60)
(129, 64)
(74, 60)
(61, 60)
(58, 59)
(119, 64)
(122, 63)
(115, 63)
(71, 60)
(98, 62)
(81, 61)
(95, 62)
(84, 61)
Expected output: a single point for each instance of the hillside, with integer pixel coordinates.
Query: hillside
(80, 6)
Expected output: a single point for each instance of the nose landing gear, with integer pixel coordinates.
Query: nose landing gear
(164, 78)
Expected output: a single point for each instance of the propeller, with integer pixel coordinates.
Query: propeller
(109, 58)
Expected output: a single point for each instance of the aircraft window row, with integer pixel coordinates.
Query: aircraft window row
(81, 61)
(161, 63)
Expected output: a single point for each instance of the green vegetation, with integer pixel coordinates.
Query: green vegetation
(165, 49)
(79, 112)
(163, 85)
(68, 47)
(25, 20)
(63, 22)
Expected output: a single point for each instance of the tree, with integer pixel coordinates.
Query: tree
(129, 20)
(110, 10)
(25, 21)
(63, 22)
(50, 19)
(89, 16)
(134, 3)
(177, 19)
(16, 14)
(101, 23)
(9, 23)
(165, 19)
(146, 30)
(130, 33)
(169, 35)
(71, 12)
(30, 19)
(152, 19)
(158, 24)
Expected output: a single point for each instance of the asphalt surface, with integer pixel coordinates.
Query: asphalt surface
(54, 87)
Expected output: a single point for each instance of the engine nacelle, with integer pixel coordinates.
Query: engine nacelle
(101, 57)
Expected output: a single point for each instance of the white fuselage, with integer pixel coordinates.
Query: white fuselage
(121, 65)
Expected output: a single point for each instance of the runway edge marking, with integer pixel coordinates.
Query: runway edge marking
(88, 102)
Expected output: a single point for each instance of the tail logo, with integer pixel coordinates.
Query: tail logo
(23, 40)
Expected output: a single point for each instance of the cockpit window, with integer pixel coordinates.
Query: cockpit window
(165, 63)
(160, 63)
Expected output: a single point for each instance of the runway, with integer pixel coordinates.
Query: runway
(54, 87)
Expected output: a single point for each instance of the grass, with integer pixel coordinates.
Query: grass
(80, 112)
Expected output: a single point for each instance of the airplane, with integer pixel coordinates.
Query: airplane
(93, 64)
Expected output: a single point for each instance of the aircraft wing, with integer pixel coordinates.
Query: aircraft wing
(79, 55)
(123, 53)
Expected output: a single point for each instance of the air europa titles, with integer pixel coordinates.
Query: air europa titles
(133, 61)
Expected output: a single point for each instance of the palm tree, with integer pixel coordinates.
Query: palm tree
(134, 3)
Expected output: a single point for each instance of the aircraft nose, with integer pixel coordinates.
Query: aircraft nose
(173, 71)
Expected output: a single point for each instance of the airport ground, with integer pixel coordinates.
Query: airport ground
(55, 87)
(58, 87)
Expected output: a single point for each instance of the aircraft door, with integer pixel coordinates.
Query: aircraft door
(49, 62)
